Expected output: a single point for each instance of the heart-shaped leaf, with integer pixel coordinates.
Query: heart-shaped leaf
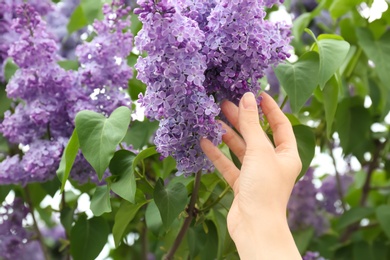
(299, 79)
(99, 136)
(100, 202)
(170, 201)
(123, 179)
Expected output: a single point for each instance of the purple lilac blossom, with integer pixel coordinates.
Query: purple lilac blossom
(312, 256)
(51, 96)
(303, 206)
(330, 193)
(199, 53)
(173, 71)
(13, 236)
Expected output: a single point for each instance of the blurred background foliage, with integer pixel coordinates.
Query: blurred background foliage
(335, 90)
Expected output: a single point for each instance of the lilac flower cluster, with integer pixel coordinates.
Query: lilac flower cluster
(312, 256)
(304, 208)
(199, 53)
(7, 34)
(13, 236)
(51, 96)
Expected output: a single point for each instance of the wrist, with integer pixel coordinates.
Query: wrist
(267, 237)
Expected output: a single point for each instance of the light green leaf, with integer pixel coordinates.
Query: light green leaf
(9, 69)
(123, 217)
(300, 24)
(340, 7)
(306, 146)
(333, 51)
(143, 155)
(69, 64)
(299, 79)
(353, 215)
(153, 218)
(140, 133)
(100, 202)
(121, 166)
(67, 159)
(88, 238)
(330, 95)
(383, 215)
(378, 51)
(77, 20)
(170, 200)
(99, 136)
(92, 10)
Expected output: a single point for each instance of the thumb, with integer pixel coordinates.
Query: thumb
(248, 119)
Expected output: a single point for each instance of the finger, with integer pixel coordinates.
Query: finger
(283, 133)
(225, 166)
(234, 141)
(250, 129)
(230, 110)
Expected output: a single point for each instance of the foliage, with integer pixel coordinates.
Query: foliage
(334, 89)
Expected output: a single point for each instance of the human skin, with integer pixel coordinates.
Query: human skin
(257, 220)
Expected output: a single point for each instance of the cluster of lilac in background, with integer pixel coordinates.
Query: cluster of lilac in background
(199, 53)
(308, 204)
(47, 97)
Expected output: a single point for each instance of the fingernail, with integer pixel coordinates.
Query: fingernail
(249, 101)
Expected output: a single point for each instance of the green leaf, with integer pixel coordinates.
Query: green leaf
(196, 238)
(99, 136)
(353, 215)
(123, 217)
(170, 200)
(66, 217)
(4, 190)
(77, 20)
(299, 79)
(383, 215)
(153, 218)
(67, 159)
(121, 166)
(378, 51)
(5, 102)
(303, 238)
(332, 50)
(330, 95)
(143, 155)
(220, 223)
(69, 64)
(9, 69)
(100, 202)
(300, 24)
(362, 251)
(340, 7)
(306, 146)
(140, 133)
(92, 10)
(88, 238)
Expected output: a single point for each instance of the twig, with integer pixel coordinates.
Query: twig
(338, 180)
(35, 224)
(188, 220)
(215, 202)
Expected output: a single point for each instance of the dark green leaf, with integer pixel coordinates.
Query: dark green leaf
(5, 102)
(354, 215)
(100, 202)
(123, 217)
(362, 251)
(99, 136)
(299, 79)
(383, 215)
(140, 133)
(121, 166)
(306, 146)
(143, 155)
(88, 238)
(67, 159)
(77, 20)
(66, 217)
(378, 51)
(170, 200)
(219, 221)
(303, 238)
(196, 238)
(4, 190)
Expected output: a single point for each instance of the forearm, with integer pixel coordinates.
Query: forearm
(266, 238)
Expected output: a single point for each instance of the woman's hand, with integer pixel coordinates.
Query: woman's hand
(257, 218)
